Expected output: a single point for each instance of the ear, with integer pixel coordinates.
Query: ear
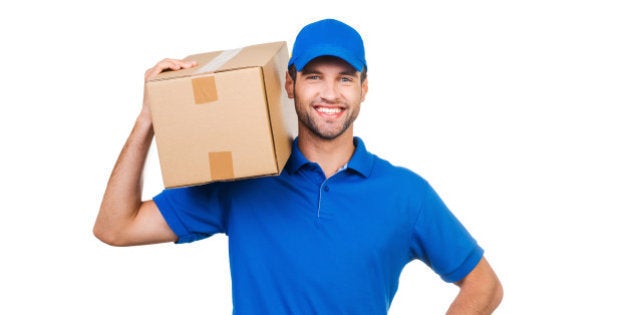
(289, 85)
(364, 89)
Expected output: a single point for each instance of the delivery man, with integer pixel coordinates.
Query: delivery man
(330, 234)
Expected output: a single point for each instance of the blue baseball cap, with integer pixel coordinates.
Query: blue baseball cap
(328, 37)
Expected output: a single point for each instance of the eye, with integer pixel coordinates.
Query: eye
(313, 77)
(346, 79)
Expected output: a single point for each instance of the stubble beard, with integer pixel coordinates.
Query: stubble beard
(320, 131)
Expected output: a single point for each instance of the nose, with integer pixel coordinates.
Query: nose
(330, 91)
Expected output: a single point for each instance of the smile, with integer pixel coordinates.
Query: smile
(329, 110)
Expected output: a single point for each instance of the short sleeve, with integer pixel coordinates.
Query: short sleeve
(193, 213)
(441, 241)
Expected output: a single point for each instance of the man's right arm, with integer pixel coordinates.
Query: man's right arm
(124, 219)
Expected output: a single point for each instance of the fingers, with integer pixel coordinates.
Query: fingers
(168, 64)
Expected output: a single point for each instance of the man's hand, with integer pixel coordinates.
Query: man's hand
(168, 64)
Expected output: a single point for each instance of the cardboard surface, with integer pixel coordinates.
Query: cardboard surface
(227, 118)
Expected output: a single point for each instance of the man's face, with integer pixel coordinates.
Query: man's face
(328, 93)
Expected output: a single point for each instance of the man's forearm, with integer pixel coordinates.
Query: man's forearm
(123, 194)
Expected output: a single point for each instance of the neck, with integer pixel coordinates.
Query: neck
(330, 155)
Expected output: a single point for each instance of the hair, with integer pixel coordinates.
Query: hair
(293, 73)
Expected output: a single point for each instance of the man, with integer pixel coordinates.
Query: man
(329, 235)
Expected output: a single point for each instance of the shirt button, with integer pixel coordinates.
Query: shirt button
(326, 188)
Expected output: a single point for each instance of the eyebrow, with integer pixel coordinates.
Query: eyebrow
(307, 71)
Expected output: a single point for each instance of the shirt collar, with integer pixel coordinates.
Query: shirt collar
(360, 162)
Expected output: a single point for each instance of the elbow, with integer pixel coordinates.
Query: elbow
(110, 228)
(497, 295)
(481, 290)
(103, 236)
(493, 293)
(107, 236)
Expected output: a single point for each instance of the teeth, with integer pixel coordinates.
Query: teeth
(328, 110)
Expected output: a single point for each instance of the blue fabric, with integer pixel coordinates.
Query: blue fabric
(328, 37)
(303, 244)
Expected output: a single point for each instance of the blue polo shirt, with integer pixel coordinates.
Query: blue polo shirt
(303, 244)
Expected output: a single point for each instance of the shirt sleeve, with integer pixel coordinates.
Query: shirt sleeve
(193, 213)
(441, 241)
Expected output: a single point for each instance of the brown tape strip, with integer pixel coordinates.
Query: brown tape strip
(204, 89)
(221, 165)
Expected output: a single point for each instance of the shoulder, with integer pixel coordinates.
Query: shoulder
(385, 169)
(402, 183)
(375, 167)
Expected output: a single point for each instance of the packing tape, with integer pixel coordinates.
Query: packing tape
(218, 61)
(221, 165)
(204, 90)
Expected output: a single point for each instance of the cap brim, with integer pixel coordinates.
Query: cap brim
(319, 51)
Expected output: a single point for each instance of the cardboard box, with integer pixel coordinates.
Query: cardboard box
(227, 118)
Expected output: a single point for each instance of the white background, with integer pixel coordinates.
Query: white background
(517, 112)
